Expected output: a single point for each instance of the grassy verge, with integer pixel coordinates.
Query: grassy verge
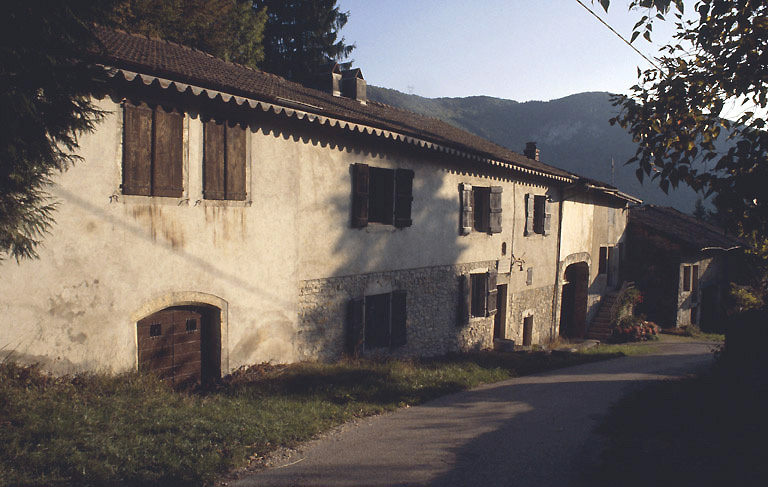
(134, 430)
(705, 430)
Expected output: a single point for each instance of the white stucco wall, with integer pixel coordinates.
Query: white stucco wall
(112, 259)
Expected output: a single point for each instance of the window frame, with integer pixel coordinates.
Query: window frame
(391, 310)
(479, 291)
(538, 217)
(480, 209)
(226, 180)
(153, 151)
(369, 182)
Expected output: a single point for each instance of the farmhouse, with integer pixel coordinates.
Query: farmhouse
(223, 216)
(682, 265)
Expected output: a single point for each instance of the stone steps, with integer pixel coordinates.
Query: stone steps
(600, 328)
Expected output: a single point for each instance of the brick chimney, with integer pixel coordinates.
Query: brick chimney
(353, 85)
(531, 152)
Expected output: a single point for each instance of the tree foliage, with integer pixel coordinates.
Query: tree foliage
(229, 29)
(45, 84)
(678, 110)
(302, 35)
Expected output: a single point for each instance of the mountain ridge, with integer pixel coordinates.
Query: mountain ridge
(572, 133)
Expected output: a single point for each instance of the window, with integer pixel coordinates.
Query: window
(537, 215)
(529, 277)
(695, 283)
(224, 160)
(602, 267)
(479, 295)
(152, 151)
(686, 278)
(381, 196)
(378, 321)
(480, 209)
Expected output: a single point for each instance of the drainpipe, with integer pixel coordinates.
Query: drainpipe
(557, 292)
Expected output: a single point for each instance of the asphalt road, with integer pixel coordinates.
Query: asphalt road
(532, 431)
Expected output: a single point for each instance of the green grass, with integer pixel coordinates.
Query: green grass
(133, 429)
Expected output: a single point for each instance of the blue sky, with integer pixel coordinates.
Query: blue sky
(515, 49)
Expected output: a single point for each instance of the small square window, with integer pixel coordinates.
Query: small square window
(191, 325)
(155, 330)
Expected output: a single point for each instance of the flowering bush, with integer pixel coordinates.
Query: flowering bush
(634, 329)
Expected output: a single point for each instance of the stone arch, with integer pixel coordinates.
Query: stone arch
(217, 308)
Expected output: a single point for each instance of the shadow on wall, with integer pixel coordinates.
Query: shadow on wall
(395, 286)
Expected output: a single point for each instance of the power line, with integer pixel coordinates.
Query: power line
(618, 35)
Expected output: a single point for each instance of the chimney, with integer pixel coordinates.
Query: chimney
(328, 79)
(353, 85)
(531, 152)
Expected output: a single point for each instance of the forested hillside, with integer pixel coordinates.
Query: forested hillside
(572, 133)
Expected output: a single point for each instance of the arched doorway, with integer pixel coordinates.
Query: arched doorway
(573, 304)
(181, 344)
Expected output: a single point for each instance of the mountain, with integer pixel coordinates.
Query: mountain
(572, 133)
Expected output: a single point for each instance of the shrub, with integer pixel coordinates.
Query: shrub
(634, 329)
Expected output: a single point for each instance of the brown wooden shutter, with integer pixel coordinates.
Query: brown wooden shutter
(360, 187)
(137, 151)
(399, 317)
(465, 299)
(494, 223)
(547, 218)
(356, 326)
(492, 293)
(467, 213)
(213, 160)
(403, 197)
(235, 167)
(529, 214)
(167, 156)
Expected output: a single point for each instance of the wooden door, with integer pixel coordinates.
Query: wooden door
(170, 345)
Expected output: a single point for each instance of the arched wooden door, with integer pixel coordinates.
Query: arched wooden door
(170, 344)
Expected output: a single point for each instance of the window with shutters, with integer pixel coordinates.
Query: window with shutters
(479, 294)
(224, 161)
(381, 196)
(480, 208)
(537, 215)
(152, 151)
(377, 321)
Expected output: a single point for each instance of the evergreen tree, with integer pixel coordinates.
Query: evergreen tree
(45, 84)
(302, 35)
(229, 29)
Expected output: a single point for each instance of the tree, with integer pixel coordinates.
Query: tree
(45, 83)
(679, 109)
(232, 30)
(302, 35)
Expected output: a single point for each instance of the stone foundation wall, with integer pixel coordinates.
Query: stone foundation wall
(531, 302)
(432, 307)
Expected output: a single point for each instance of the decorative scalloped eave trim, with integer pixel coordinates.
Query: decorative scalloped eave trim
(212, 94)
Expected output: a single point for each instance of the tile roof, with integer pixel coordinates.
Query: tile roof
(683, 228)
(163, 59)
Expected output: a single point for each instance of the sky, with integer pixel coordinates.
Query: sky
(515, 49)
